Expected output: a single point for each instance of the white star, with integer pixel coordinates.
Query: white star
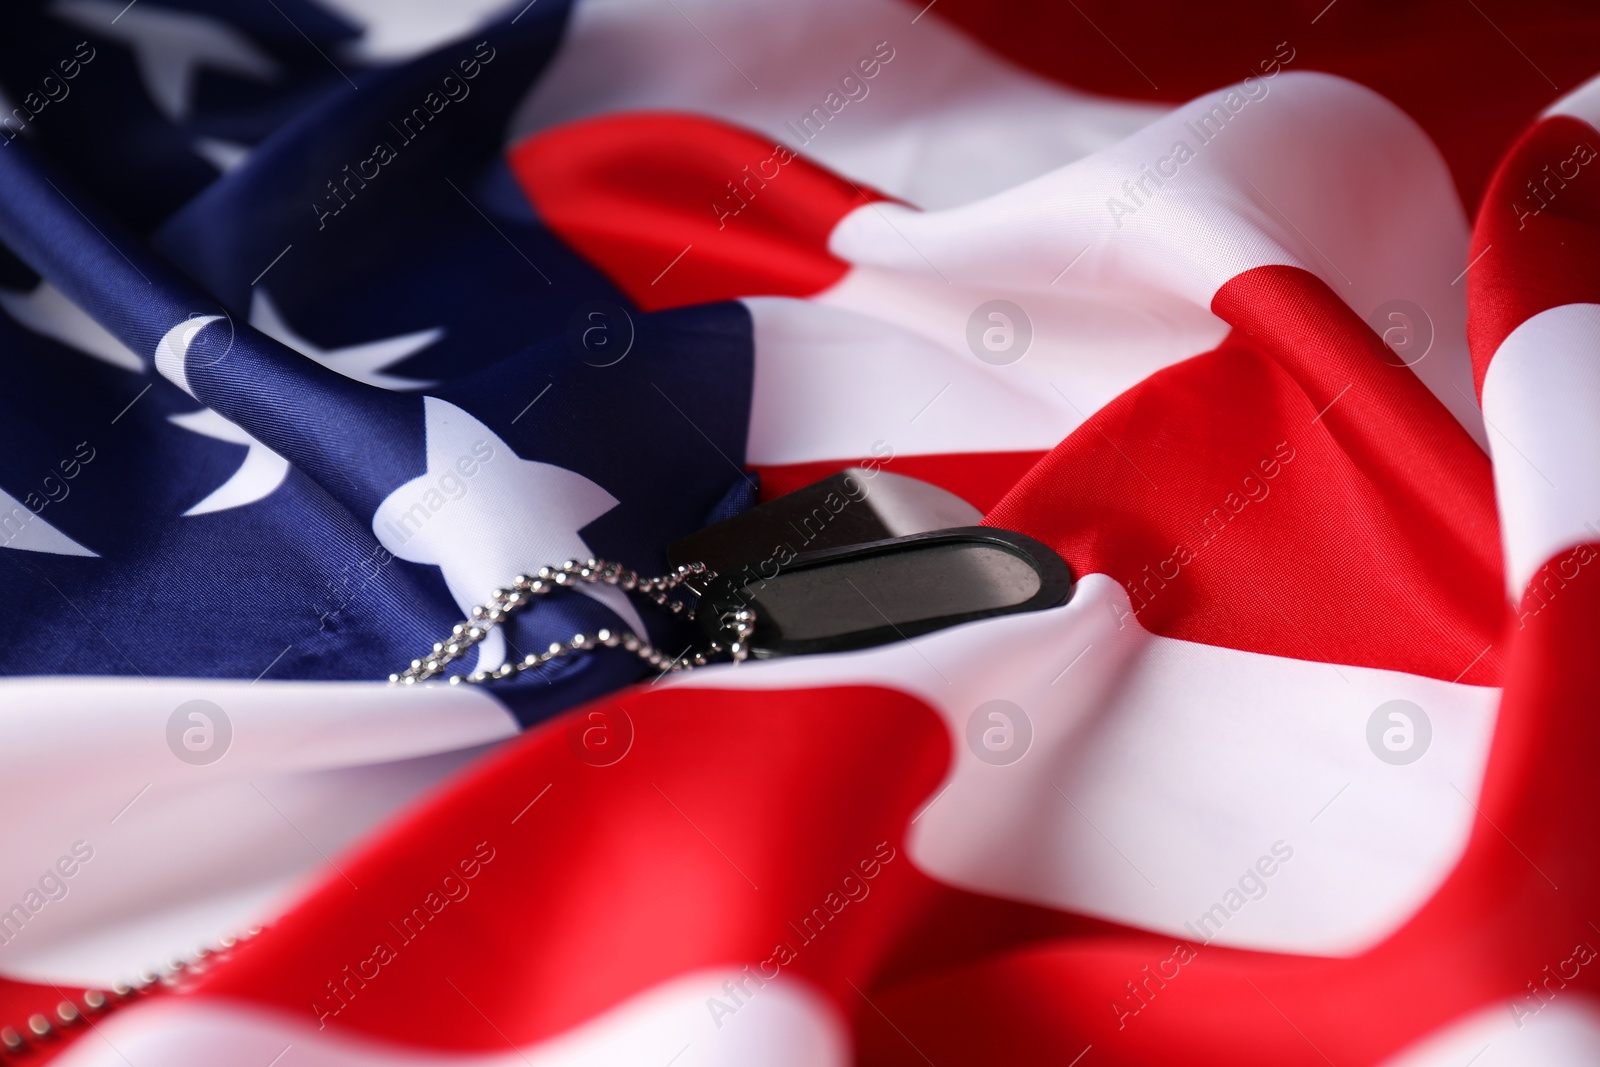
(224, 155)
(170, 46)
(7, 108)
(47, 312)
(395, 30)
(482, 514)
(262, 471)
(21, 528)
(363, 362)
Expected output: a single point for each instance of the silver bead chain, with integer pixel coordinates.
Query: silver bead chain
(40, 1029)
(525, 588)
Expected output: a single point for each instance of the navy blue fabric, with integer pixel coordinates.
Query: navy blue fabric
(109, 132)
(441, 238)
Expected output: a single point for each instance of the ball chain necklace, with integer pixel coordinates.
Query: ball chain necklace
(733, 629)
(41, 1030)
(830, 567)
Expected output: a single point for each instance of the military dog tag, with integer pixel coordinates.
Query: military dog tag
(852, 507)
(856, 596)
(858, 559)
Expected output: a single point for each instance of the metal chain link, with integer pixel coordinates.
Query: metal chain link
(526, 587)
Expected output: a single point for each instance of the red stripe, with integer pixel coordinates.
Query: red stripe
(1376, 544)
(1539, 246)
(678, 210)
(621, 876)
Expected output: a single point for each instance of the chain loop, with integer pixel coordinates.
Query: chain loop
(525, 588)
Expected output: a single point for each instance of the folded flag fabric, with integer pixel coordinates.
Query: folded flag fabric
(323, 321)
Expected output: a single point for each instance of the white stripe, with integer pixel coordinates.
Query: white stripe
(184, 853)
(1161, 771)
(783, 1024)
(943, 122)
(857, 364)
(1583, 103)
(1565, 1032)
(1541, 398)
(1317, 173)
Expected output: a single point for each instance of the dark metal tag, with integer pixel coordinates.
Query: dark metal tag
(861, 595)
(852, 507)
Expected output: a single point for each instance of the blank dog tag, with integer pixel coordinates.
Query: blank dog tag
(857, 596)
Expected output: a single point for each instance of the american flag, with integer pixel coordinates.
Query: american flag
(323, 319)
